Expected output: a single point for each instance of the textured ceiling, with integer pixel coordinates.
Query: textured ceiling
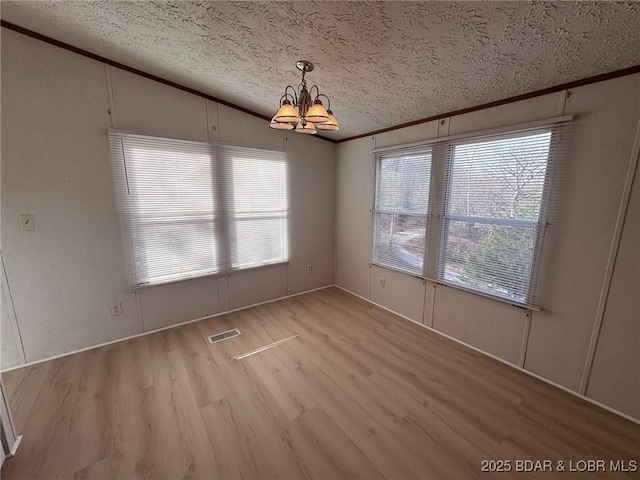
(381, 63)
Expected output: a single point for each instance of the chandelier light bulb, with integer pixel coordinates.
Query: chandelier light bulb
(306, 127)
(317, 113)
(330, 125)
(286, 113)
(280, 125)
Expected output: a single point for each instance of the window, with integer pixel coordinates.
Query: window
(468, 212)
(191, 209)
(400, 212)
(493, 202)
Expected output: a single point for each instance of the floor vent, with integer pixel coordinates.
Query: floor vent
(218, 337)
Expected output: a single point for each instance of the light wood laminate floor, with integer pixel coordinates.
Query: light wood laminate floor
(359, 393)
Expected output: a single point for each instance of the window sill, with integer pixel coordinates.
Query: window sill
(226, 273)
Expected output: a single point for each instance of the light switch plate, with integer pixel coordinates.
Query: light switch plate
(26, 222)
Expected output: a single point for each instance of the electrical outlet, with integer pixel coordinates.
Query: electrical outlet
(116, 309)
(309, 268)
(382, 282)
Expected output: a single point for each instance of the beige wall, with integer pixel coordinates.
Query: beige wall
(354, 199)
(56, 165)
(553, 343)
(607, 115)
(64, 275)
(617, 355)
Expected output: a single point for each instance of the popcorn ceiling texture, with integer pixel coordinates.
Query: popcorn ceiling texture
(381, 63)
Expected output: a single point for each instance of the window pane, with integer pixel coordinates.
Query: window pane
(402, 183)
(399, 241)
(170, 214)
(259, 185)
(499, 178)
(495, 259)
(172, 248)
(401, 206)
(169, 181)
(259, 241)
(258, 235)
(493, 203)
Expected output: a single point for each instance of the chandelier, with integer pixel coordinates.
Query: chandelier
(299, 107)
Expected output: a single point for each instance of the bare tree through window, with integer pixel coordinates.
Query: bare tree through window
(493, 207)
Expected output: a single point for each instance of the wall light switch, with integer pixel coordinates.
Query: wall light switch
(26, 222)
(309, 268)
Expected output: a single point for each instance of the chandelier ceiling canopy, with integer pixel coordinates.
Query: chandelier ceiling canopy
(304, 107)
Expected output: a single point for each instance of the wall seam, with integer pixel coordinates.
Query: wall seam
(424, 298)
(562, 102)
(112, 108)
(206, 118)
(286, 276)
(525, 338)
(371, 193)
(218, 124)
(433, 306)
(335, 217)
(139, 311)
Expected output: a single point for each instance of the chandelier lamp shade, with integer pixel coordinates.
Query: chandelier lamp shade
(302, 110)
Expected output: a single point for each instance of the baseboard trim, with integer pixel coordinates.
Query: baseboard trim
(534, 375)
(14, 448)
(12, 452)
(131, 337)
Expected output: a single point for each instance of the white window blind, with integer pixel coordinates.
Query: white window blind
(400, 210)
(476, 212)
(257, 205)
(494, 192)
(190, 209)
